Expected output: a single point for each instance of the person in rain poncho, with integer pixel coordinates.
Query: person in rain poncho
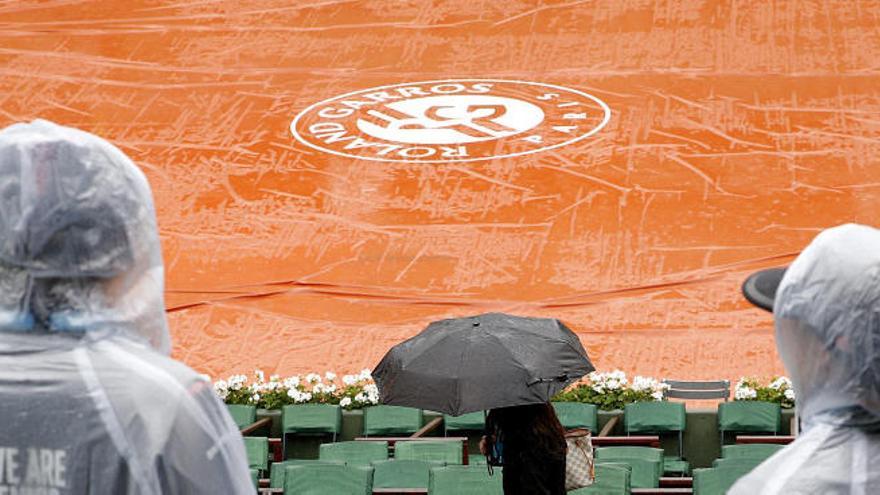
(827, 317)
(90, 402)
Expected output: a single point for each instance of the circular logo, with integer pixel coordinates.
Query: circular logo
(457, 120)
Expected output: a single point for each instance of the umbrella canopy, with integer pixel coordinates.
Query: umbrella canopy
(483, 362)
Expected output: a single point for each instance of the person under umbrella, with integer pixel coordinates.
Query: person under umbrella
(511, 365)
(89, 399)
(826, 307)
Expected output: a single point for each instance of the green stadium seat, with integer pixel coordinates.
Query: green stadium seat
(716, 481)
(242, 415)
(257, 449)
(611, 479)
(475, 421)
(758, 450)
(276, 470)
(323, 479)
(395, 473)
(748, 463)
(476, 459)
(446, 451)
(646, 463)
(575, 415)
(749, 416)
(310, 419)
(391, 420)
(464, 480)
(354, 453)
(660, 417)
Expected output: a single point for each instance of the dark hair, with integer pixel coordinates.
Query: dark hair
(533, 425)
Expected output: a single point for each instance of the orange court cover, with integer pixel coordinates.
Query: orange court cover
(332, 175)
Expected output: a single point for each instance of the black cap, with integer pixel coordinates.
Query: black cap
(760, 287)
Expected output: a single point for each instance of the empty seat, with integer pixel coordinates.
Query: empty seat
(749, 416)
(355, 452)
(646, 463)
(322, 479)
(257, 449)
(391, 420)
(716, 481)
(464, 480)
(660, 417)
(276, 470)
(448, 451)
(242, 415)
(396, 473)
(611, 479)
(475, 421)
(755, 450)
(574, 415)
(310, 419)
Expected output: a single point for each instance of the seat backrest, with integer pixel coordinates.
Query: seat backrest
(644, 417)
(751, 416)
(321, 479)
(391, 420)
(311, 418)
(354, 453)
(242, 415)
(697, 389)
(276, 470)
(753, 450)
(464, 480)
(716, 481)
(611, 479)
(747, 463)
(448, 451)
(396, 473)
(646, 463)
(475, 421)
(574, 415)
(257, 449)
(255, 477)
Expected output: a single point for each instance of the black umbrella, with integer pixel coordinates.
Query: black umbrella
(471, 364)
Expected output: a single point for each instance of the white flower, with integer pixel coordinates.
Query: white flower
(349, 380)
(360, 397)
(255, 398)
(329, 376)
(345, 402)
(365, 374)
(275, 378)
(291, 382)
(657, 396)
(261, 377)
(789, 394)
(780, 383)
(222, 389)
(745, 393)
(313, 378)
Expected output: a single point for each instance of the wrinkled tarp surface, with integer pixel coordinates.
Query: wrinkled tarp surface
(828, 332)
(738, 130)
(89, 399)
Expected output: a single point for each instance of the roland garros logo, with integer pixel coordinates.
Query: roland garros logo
(457, 120)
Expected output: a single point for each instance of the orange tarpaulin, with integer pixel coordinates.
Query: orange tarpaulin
(716, 138)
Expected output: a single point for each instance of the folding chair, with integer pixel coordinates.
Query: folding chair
(575, 415)
(354, 453)
(391, 420)
(748, 416)
(321, 479)
(464, 480)
(660, 417)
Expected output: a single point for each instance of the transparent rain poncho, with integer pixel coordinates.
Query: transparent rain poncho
(827, 312)
(90, 402)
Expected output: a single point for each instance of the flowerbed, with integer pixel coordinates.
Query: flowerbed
(778, 390)
(349, 392)
(612, 390)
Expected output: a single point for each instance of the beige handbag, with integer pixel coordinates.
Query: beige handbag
(579, 459)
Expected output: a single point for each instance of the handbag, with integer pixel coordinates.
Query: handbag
(578, 459)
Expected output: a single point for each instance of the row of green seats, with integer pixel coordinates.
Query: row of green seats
(394, 420)
(322, 477)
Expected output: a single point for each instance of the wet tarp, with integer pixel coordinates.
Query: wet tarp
(737, 131)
